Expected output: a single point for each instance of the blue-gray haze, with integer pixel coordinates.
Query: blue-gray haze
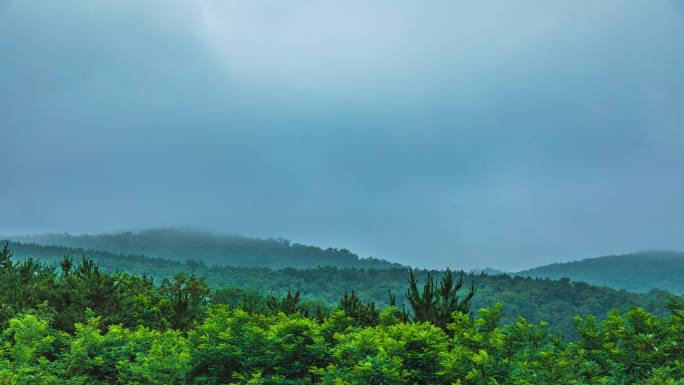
(433, 133)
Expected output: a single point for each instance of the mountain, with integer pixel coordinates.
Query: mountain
(555, 301)
(638, 272)
(211, 248)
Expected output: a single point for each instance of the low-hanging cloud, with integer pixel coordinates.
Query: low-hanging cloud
(438, 133)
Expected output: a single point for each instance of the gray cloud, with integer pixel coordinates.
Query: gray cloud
(440, 133)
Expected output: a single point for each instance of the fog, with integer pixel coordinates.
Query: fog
(436, 133)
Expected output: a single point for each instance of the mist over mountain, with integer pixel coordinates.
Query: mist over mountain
(636, 272)
(390, 166)
(211, 248)
(445, 133)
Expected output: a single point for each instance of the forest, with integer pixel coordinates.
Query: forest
(554, 301)
(74, 323)
(217, 192)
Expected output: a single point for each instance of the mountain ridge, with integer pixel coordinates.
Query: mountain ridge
(638, 272)
(211, 248)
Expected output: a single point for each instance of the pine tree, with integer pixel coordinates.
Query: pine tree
(362, 314)
(288, 305)
(5, 256)
(436, 304)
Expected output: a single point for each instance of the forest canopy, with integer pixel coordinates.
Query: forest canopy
(554, 301)
(74, 323)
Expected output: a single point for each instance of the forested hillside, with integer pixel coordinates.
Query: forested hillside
(534, 299)
(75, 324)
(212, 248)
(638, 272)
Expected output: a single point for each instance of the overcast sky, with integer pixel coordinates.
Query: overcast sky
(433, 133)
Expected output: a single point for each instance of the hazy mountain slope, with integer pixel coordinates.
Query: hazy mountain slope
(213, 249)
(639, 272)
(535, 299)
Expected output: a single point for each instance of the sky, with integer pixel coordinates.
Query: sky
(435, 133)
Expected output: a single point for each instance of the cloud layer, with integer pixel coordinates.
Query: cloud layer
(438, 133)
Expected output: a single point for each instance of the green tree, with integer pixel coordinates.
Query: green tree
(185, 300)
(289, 304)
(435, 303)
(362, 314)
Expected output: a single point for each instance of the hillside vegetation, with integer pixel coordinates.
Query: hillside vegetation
(640, 272)
(75, 324)
(213, 249)
(555, 301)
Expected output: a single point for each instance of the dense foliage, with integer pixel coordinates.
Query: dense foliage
(534, 299)
(78, 325)
(639, 272)
(214, 249)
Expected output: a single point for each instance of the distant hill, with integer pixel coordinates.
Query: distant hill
(211, 248)
(488, 271)
(638, 272)
(555, 301)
